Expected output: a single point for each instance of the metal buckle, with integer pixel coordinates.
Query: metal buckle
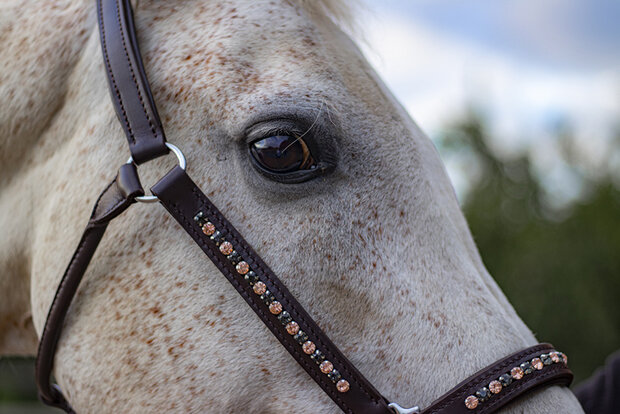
(400, 410)
(182, 163)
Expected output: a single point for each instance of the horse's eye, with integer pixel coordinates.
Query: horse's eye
(282, 154)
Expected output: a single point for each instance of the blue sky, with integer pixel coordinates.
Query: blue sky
(528, 64)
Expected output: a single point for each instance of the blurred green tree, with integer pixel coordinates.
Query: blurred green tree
(559, 267)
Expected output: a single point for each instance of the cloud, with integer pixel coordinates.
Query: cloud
(438, 75)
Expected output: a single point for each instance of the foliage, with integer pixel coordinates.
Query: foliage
(559, 268)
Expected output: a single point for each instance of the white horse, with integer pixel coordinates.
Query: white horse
(376, 249)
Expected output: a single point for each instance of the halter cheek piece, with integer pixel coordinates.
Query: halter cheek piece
(484, 392)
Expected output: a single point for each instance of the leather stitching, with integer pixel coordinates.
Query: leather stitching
(491, 372)
(215, 257)
(252, 260)
(133, 75)
(512, 392)
(111, 74)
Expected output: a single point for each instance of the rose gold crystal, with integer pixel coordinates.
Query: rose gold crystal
(226, 248)
(275, 307)
(565, 359)
(537, 363)
(326, 367)
(259, 288)
(516, 373)
(495, 386)
(471, 402)
(555, 357)
(292, 328)
(342, 386)
(208, 228)
(308, 347)
(243, 268)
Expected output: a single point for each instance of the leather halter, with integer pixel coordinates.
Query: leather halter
(484, 392)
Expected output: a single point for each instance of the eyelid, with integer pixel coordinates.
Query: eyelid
(272, 128)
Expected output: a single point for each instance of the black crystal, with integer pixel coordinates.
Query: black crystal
(251, 278)
(317, 356)
(234, 257)
(334, 376)
(267, 297)
(546, 359)
(301, 337)
(505, 380)
(284, 317)
(217, 237)
(527, 368)
(483, 394)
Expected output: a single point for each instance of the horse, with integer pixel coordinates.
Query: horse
(370, 240)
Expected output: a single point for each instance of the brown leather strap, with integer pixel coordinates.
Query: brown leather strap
(129, 87)
(183, 199)
(553, 371)
(115, 199)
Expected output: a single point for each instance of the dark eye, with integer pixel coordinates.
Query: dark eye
(282, 154)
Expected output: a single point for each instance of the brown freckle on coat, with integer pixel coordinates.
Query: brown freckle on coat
(148, 263)
(155, 310)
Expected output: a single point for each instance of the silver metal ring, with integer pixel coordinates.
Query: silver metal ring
(401, 410)
(182, 164)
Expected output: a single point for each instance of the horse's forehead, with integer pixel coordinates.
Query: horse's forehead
(230, 49)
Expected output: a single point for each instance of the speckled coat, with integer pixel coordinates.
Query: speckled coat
(377, 250)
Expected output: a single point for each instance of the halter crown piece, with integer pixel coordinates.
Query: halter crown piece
(484, 392)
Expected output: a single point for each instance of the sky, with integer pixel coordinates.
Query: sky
(528, 65)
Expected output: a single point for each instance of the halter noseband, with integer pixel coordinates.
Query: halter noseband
(484, 392)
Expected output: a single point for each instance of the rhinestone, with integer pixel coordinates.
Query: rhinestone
(342, 386)
(495, 386)
(483, 394)
(565, 359)
(275, 307)
(334, 376)
(308, 347)
(234, 257)
(555, 357)
(267, 297)
(537, 363)
(243, 268)
(226, 248)
(292, 328)
(527, 368)
(284, 317)
(259, 288)
(505, 379)
(318, 356)
(217, 237)
(198, 217)
(208, 228)
(471, 402)
(301, 337)
(516, 373)
(546, 359)
(326, 367)
(251, 277)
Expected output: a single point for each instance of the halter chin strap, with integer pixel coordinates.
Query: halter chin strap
(484, 392)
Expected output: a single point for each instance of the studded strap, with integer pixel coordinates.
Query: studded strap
(267, 296)
(496, 385)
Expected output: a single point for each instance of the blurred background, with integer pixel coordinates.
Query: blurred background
(522, 100)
